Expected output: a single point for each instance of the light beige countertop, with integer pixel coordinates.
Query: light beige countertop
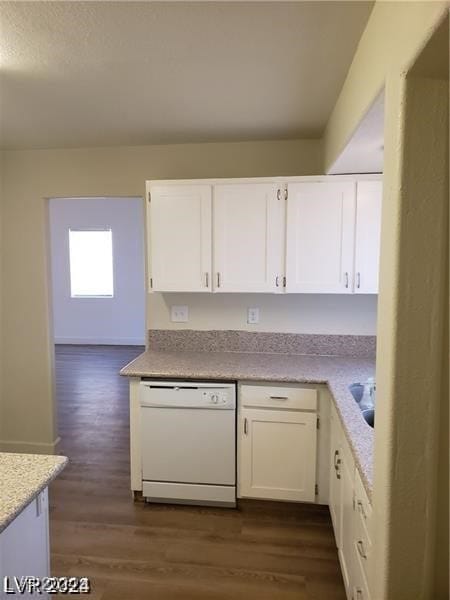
(337, 372)
(22, 478)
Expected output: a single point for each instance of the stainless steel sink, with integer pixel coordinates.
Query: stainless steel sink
(369, 416)
(356, 390)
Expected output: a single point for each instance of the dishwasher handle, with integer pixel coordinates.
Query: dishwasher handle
(184, 386)
(171, 387)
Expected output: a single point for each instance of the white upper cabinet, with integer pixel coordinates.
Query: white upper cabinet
(320, 237)
(243, 236)
(179, 244)
(247, 230)
(367, 241)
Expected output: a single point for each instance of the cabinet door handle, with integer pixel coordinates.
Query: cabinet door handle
(336, 454)
(337, 462)
(361, 551)
(278, 194)
(359, 594)
(346, 279)
(358, 280)
(245, 426)
(278, 397)
(361, 509)
(39, 505)
(277, 281)
(207, 279)
(218, 280)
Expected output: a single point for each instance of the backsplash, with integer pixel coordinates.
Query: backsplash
(362, 346)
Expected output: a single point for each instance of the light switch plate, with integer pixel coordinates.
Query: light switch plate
(179, 314)
(252, 316)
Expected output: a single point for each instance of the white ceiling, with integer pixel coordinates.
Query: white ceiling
(364, 152)
(126, 73)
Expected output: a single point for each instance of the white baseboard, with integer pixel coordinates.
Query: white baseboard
(30, 447)
(101, 341)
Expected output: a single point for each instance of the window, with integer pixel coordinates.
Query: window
(91, 263)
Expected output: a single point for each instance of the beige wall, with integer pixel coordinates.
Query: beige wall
(295, 313)
(1, 295)
(411, 304)
(413, 301)
(394, 35)
(32, 176)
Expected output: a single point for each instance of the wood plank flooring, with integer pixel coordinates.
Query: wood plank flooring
(134, 551)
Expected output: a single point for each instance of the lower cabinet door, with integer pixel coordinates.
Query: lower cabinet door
(347, 524)
(335, 493)
(24, 547)
(359, 589)
(277, 455)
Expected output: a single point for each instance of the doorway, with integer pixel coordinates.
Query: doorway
(98, 301)
(97, 264)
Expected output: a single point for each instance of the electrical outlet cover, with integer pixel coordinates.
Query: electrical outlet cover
(179, 314)
(252, 316)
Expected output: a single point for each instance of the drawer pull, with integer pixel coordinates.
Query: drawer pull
(278, 397)
(337, 462)
(359, 594)
(361, 550)
(361, 509)
(39, 505)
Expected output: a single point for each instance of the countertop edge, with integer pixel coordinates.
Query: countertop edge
(128, 371)
(60, 464)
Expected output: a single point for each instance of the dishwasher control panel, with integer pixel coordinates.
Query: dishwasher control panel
(192, 394)
(217, 397)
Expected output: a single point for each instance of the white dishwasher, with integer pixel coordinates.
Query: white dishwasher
(188, 442)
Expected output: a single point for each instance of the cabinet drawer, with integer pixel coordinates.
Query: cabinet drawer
(363, 507)
(362, 545)
(360, 590)
(281, 396)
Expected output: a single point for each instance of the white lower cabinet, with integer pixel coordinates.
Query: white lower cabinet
(335, 487)
(362, 542)
(346, 547)
(277, 438)
(24, 546)
(351, 515)
(283, 454)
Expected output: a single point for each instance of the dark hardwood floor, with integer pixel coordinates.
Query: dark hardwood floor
(134, 551)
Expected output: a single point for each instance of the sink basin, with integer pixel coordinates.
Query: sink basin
(356, 390)
(369, 416)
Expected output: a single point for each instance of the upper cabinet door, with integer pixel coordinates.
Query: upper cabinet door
(368, 230)
(180, 238)
(320, 237)
(248, 225)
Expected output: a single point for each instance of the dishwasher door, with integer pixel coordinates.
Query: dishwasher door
(188, 436)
